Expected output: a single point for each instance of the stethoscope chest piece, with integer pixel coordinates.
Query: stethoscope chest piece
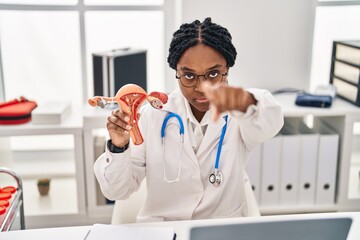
(216, 178)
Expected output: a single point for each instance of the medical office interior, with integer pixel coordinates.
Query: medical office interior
(47, 51)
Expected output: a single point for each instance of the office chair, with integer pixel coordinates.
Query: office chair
(253, 208)
(125, 211)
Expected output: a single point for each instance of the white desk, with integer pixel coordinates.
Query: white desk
(182, 228)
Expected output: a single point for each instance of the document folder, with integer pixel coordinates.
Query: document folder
(308, 165)
(271, 171)
(327, 165)
(254, 170)
(308, 159)
(289, 165)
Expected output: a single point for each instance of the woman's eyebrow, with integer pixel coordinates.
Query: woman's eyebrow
(216, 66)
(192, 70)
(187, 69)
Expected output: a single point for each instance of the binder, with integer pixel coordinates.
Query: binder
(309, 147)
(289, 166)
(327, 164)
(254, 170)
(271, 171)
(308, 160)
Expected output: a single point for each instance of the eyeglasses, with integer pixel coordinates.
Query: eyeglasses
(189, 79)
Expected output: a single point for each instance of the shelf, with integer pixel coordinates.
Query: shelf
(71, 125)
(339, 107)
(34, 168)
(64, 163)
(347, 62)
(354, 181)
(296, 209)
(62, 198)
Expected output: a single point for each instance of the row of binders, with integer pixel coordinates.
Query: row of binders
(296, 167)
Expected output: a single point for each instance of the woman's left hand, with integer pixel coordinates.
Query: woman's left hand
(224, 98)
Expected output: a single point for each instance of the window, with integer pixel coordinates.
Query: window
(334, 20)
(46, 46)
(41, 55)
(46, 49)
(123, 29)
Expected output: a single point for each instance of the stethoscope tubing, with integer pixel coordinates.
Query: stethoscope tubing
(181, 131)
(167, 118)
(222, 136)
(216, 173)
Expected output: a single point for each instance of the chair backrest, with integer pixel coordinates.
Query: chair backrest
(125, 211)
(253, 208)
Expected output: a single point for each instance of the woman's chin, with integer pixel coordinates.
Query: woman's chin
(202, 107)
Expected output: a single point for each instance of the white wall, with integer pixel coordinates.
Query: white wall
(272, 38)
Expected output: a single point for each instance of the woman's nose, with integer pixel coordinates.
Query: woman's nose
(200, 83)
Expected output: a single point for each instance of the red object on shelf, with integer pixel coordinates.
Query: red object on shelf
(8, 189)
(5, 196)
(16, 111)
(2, 210)
(4, 203)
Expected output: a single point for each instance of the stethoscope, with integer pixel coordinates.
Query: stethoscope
(216, 177)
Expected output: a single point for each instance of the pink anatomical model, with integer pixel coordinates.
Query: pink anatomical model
(130, 97)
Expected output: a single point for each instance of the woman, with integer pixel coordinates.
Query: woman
(181, 179)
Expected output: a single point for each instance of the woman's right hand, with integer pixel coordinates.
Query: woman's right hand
(118, 127)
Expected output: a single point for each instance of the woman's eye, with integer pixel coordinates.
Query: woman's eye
(189, 76)
(213, 74)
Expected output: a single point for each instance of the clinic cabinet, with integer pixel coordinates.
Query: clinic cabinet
(94, 132)
(66, 201)
(343, 117)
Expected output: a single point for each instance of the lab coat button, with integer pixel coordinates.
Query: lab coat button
(107, 160)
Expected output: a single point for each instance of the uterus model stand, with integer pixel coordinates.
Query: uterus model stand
(129, 98)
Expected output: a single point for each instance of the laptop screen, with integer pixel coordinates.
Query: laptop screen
(312, 229)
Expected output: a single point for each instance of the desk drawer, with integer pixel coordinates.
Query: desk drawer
(347, 72)
(347, 91)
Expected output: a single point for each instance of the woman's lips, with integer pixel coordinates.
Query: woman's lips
(202, 100)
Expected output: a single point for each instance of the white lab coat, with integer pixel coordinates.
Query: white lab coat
(193, 197)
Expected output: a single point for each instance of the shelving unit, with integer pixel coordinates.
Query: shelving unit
(354, 178)
(68, 178)
(94, 121)
(342, 117)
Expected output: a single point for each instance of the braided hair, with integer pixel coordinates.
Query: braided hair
(207, 33)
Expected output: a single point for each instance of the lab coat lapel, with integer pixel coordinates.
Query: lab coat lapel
(177, 105)
(212, 136)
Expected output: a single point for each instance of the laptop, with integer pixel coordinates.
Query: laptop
(312, 229)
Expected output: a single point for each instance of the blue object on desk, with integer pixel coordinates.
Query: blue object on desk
(311, 100)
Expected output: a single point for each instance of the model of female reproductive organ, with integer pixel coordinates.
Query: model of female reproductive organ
(129, 98)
